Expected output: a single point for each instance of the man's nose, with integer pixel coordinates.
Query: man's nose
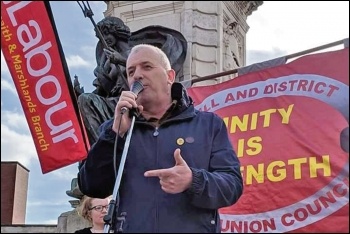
(138, 74)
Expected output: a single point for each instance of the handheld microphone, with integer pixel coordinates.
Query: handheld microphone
(176, 91)
(136, 88)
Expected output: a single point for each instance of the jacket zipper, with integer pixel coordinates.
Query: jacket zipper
(156, 132)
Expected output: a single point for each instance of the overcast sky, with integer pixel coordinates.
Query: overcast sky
(276, 29)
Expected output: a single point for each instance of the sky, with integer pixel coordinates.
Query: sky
(276, 29)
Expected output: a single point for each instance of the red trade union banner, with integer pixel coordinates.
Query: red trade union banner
(289, 126)
(36, 62)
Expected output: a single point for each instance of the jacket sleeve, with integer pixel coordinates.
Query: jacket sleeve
(96, 177)
(221, 185)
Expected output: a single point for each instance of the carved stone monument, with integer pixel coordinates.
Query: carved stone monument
(215, 30)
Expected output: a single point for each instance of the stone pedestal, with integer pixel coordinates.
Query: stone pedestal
(71, 221)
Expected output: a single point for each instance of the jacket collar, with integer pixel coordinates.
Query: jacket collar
(182, 105)
(179, 93)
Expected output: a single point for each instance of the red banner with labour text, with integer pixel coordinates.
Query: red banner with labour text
(289, 126)
(35, 58)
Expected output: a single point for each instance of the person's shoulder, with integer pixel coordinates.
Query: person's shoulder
(207, 114)
(212, 117)
(84, 230)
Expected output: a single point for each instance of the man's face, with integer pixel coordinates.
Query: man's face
(145, 64)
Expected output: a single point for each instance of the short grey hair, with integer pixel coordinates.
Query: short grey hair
(163, 57)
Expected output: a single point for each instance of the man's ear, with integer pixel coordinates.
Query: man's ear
(171, 76)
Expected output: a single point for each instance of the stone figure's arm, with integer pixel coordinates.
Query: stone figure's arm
(115, 57)
(107, 74)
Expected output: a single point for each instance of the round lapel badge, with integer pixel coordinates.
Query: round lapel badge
(180, 141)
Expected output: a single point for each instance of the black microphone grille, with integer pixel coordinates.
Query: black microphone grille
(176, 91)
(137, 87)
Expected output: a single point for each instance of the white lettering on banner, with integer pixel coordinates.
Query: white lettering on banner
(285, 219)
(307, 85)
(35, 52)
(24, 28)
(14, 8)
(32, 51)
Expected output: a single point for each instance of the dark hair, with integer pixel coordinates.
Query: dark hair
(114, 26)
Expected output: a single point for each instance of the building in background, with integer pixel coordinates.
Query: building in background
(14, 190)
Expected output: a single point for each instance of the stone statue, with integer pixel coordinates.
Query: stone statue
(110, 71)
(111, 80)
(110, 75)
(77, 89)
(231, 46)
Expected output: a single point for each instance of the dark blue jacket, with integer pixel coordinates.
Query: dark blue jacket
(205, 146)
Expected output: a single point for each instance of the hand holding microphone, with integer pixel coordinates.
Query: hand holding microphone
(136, 88)
(127, 102)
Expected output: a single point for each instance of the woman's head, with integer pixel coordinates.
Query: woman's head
(94, 209)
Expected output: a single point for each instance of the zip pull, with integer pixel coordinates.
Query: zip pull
(156, 132)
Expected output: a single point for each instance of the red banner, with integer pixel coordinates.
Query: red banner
(36, 62)
(290, 128)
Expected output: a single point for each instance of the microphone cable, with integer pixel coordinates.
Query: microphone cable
(114, 204)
